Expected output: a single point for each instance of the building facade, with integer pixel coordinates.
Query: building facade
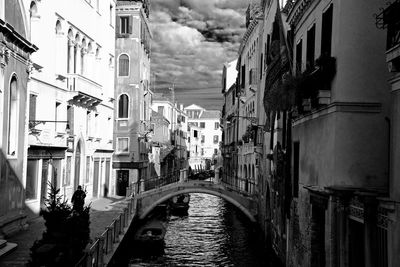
(165, 105)
(229, 128)
(208, 122)
(15, 64)
(389, 20)
(132, 94)
(70, 98)
(248, 78)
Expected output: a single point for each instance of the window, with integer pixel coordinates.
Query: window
(13, 118)
(87, 177)
(310, 47)
(111, 15)
(33, 9)
(123, 65)
(195, 134)
(32, 107)
(88, 123)
(96, 124)
(123, 106)
(267, 57)
(123, 144)
(202, 125)
(299, 48)
(296, 168)
(216, 126)
(68, 166)
(160, 109)
(215, 139)
(326, 34)
(183, 118)
(145, 110)
(57, 111)
(215, 151)
(69, 116)
(125, 25)
(203, 138)
(31, 179)
(243, 75)
(202, 151)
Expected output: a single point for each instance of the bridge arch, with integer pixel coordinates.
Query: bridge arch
(217, 193)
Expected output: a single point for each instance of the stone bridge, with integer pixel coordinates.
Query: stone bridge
(148, 200)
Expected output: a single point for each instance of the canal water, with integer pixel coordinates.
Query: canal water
(214, 233)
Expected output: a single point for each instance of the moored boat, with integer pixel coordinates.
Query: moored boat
(151, 234)
(179, 205)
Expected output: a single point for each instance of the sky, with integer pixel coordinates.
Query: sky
(192, 39)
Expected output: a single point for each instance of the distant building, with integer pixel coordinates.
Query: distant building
(70, 93)
(229, 127)
(164, 104)
(208, 122)
(132, 94)
(15, 66)
(196, 150)
(160, 145)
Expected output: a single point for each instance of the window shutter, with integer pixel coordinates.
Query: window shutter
(118, 26)
(129, 25)
(32, 107)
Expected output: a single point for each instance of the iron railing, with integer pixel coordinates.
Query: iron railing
(104, 244)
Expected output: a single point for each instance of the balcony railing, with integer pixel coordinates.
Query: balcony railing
(77, 82)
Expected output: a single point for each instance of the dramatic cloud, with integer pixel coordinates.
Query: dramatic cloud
(192, 39)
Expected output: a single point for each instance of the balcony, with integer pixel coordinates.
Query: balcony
(253, 81)
(84, 92)
(390, 18)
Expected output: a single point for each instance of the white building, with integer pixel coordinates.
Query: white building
(178, 127)
(208, 122)
(70, 98)
(196, 150)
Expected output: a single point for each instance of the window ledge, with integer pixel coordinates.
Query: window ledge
(122, 153)
(60, 134)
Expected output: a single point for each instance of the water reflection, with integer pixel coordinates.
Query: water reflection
(213, 234)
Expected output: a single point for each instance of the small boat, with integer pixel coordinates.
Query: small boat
(151, 234)
(179, 205)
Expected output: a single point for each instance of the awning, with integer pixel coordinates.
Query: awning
(46, 152)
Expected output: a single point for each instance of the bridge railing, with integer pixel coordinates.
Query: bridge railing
(103, 245)
(244, 186)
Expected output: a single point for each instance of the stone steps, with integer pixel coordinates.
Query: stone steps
(6, 247)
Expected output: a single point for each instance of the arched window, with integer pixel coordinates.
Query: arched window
(69, 51)
(123, 105)
(33, 9)
(13, 118)
(58, 27)
(123, 65)
(83, 56)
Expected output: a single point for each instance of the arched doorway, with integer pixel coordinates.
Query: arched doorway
(77, 164)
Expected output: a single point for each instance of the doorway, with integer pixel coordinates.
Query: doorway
(122, 182)
(96, 177)
(45, 176)
(77, 165)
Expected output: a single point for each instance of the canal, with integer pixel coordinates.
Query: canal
(215, 233)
